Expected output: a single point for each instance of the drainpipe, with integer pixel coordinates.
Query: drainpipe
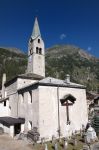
(58, 112)
(17, 105)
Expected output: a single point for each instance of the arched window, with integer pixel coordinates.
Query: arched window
(38, 40)
(37, 50)
(40, 50)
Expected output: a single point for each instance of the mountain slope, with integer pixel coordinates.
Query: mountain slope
(60, 60)
(67, 59)
(12, 62)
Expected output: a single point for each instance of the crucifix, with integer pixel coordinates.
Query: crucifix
(67, 103)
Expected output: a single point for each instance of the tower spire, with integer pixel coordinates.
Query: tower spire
(36, 30)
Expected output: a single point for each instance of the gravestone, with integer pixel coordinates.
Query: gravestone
(42, 140)
(90, 134)
(74, 140)
(33, 134)
(85, 137)
(86, 147)
(53, 139)
(65, 144)
(46, 148)
(56, 146)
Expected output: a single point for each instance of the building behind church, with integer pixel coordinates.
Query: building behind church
(56, 107)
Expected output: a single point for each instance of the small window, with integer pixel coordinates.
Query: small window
(37, 50)
(40, 50)
(38, 40)
(4, 103)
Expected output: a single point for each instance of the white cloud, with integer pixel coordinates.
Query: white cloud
(62, 36)
(89, 48)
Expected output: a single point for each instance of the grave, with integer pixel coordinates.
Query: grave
(90, 135)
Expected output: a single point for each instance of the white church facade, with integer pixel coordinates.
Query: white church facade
(56, 107)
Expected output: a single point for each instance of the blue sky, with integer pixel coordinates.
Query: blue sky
(73, 22)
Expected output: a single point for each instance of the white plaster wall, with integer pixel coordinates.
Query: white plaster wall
(11, 88)
(36, 62)
(48, 111)
(24, 82)
(4, 110)
(22, 128)
(6, 129)
(12, 131)
(77, 113)
(11, 91)
(28, 110)
(39, 64)
(13, 104)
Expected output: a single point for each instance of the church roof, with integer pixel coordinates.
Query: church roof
(8, 121)
(49, 81)
(58, 82)
(36, 30)
(4, 99)
(24, 76)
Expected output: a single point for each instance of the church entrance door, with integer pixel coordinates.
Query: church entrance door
(17, 128)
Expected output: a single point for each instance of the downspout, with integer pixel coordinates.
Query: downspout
(17, 105)
(58, 112)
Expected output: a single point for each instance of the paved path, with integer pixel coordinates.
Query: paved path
(7, 143)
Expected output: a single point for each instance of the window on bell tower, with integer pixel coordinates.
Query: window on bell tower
(37, 50)
(38, 40)
(40, 50)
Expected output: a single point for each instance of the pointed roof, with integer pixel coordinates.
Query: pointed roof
(36, 30)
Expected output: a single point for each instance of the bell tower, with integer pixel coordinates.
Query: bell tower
(36, 52)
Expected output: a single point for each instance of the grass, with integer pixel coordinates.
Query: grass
(71, 146)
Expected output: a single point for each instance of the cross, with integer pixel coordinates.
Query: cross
(67, 104)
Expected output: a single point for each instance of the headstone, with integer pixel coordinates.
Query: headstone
(42, 140)
(86, 147)
(46, 148)
(65, 144)
(90, 134)
(81, 133)
(56, 146)
(74, 141)
(53, 139)
(85, 137)
(33, 134)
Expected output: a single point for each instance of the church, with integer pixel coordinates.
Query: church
(56, 107)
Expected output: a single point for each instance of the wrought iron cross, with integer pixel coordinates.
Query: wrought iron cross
(67, 104)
